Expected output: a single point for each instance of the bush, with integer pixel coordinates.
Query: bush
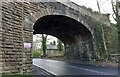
(36, 54)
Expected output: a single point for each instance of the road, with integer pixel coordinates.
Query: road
(65, 68)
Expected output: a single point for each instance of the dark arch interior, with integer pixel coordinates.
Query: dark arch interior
(65, 28)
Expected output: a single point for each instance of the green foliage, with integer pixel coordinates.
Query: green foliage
(111, 36)
(100, 50)
(111, 40)
(54, 43)
(36, 54)
(44, 47)
(60, 46)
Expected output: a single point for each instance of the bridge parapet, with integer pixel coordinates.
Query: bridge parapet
(104, 18)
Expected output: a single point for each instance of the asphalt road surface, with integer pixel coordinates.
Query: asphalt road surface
(65, 68)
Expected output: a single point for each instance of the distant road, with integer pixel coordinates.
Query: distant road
(64, 68)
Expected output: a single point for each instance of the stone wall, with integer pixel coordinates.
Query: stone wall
(81, 50)
(15, 58)
(0, 37)
(12, 38)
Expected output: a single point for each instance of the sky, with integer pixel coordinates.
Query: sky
(49, 39)
(105, 6)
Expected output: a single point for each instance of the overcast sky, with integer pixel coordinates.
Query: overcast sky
(105, 6)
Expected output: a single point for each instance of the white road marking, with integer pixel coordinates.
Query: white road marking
(45, 69)
(87, 70)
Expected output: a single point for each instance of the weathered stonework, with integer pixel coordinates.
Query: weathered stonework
(16, 28)
(0, 37)
(76, 50)
(15, 58)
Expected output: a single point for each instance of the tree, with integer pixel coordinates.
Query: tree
(51, 43)
(54, 43)
(103, 36)
(60, 46)
(44, 47)
(116, 15)
(116, 10)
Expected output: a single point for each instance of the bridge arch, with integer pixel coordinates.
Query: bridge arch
(76, 37)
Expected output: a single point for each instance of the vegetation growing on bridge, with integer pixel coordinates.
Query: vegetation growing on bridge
(106, 37)
(111, 40)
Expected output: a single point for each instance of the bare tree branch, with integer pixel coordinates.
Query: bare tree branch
(98, 6)
(114, 8)
(103, 36)
(114, 17)
(104, 2)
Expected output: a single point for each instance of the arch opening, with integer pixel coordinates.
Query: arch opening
(54, 47)
(75, 36)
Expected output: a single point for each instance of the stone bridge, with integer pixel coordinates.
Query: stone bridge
(74, 25)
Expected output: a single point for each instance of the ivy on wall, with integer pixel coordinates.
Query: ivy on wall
(111, 40)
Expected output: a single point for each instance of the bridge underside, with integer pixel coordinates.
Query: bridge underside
(76, 37)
